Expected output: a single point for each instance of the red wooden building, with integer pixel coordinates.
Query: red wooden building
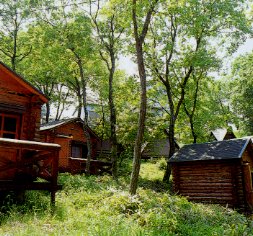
(69, 133)
(22, 157)
(215, 172)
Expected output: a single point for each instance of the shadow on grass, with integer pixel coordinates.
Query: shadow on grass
(155, 185)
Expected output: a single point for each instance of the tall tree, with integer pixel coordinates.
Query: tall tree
(240, 92)
(73, 33)
(14, 17)
(51, 68)
(182, 36)
(109, 28)
(140, 33)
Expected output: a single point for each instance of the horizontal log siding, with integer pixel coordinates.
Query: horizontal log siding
(210, 182)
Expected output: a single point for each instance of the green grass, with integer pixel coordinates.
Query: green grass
(100, 206)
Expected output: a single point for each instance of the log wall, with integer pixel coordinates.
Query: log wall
(210, 182)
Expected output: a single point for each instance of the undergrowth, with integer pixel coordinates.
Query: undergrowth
(100, 206)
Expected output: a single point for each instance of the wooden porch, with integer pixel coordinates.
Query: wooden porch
(29, 165)
(97, 167)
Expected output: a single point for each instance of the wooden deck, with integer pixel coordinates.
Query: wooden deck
(97, 167)
(33, 161)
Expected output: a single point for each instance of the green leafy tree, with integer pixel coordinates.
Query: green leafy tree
(241, 92)
(181, 43)
(109, 26)
(140, 32)
(14, 18)
(49, 69)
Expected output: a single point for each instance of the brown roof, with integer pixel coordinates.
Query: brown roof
(18, 78)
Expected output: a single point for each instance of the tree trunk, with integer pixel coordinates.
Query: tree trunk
(47, 112)
(84, 102)
(80, 102)
(113, 137)
(139, 40)
(85, 126)
(172, 150)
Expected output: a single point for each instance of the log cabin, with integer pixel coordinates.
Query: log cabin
(216, 172)
(69, 133)
(23, 158)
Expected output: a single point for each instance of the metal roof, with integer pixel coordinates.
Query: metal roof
(57, 123)
(227, 149)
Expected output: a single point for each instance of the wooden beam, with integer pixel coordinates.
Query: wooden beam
(248, 184)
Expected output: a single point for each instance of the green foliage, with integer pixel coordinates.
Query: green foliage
(99, 206)
(240, 92)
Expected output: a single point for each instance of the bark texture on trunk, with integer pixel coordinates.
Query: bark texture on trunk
(139, 40)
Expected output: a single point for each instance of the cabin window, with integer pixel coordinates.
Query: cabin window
(9, 126)
(79, 150)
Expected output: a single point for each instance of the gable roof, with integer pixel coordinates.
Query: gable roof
(222, 134)
(227, 149)
(20, 80)
(58, 123)
(219, 134)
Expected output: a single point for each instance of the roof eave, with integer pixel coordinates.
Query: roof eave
(25, 83)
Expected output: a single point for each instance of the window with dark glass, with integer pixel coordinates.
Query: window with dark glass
(79, 150)
(9, 126)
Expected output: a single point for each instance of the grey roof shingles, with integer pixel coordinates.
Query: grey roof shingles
(54, 124)
(227, 149)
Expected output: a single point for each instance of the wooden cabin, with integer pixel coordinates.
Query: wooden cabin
(157, 149)
(69, 133)
(216, 172)
(23, 158)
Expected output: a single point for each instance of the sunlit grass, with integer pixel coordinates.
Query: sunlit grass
(101, 206)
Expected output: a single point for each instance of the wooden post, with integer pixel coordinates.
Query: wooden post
(248, 184)
(54, 176)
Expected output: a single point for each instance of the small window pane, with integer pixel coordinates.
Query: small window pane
(76, 152)
(9, 136)
(10, 124)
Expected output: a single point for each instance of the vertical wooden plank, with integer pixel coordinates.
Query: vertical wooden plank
(248, 184)
(234, 171)
(55, 164)
(175, 176)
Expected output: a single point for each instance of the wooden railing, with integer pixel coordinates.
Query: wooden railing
(23, 163)
(97, 167)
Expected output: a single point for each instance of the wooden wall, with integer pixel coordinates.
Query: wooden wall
(29, 110)
(218, 181)
(73, 132)
(18, 101)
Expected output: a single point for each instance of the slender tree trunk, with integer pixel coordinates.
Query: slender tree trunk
(192, 113)
(84, 102)
(172, 150)
(80, 102)
(85, 126)
(113, 137)
(58, 102)
(141, 121)
(47, 112)
(139, 40)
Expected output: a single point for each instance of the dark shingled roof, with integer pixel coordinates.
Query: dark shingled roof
(227, 149)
